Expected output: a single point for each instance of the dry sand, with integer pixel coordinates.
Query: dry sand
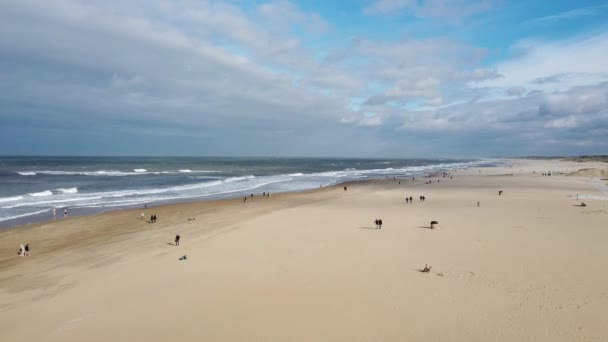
(529, 265)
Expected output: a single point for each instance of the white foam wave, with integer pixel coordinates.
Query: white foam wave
(68, 190)
(24, 215)
(10, 199)
(236, 179)
(296, 174)
(110, 173)
(41, 193)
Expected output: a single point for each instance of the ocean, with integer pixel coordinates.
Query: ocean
(30, 187)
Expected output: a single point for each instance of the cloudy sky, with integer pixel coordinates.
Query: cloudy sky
(359, 78)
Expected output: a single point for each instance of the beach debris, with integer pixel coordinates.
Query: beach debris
(426, 269)
(583, 204)
(499, 192)
(184, 257)
(434, 225)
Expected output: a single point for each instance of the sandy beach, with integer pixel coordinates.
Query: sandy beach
(528, 265)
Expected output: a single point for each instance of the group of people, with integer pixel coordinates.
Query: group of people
(24, 250)
(153, 218)
(264, 194)
(65, 213)
(378, 223)
(547, 173)
(411, 200)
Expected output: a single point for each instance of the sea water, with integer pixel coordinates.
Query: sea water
(30, 187)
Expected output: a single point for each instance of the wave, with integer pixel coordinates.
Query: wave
(24, 215)
(236, 179)
(296, 174)
(11, 199)
(109, 173)
(41, 193)
(68, 190)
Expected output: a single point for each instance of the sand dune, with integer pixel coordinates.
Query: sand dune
(590, 172)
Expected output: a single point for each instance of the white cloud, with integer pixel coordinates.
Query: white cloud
(571, 14)
(554, 66)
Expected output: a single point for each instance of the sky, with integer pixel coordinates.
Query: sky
(373, 78)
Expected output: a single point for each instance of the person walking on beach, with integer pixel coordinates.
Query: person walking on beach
(21, 250)
(27, 249)
(141, 216)
(380, 223)
(177, 237)
(377, 224)
(65, 212)
(54, 213)
(407, 200)
(411, 199)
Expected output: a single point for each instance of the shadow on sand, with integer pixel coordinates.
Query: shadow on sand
(424, 227)
(368, 228)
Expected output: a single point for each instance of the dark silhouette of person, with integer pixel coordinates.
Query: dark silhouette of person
(177, 237)
(377, 223)
(407, 200)
(27, 249)
(411, 199)
(151, 218)
(380, 223)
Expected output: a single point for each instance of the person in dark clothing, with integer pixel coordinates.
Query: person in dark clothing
(380, 223)
(177, 237)
(377, 224)
(407, 200)
(27, 249)
(411, 199)
(151, 218)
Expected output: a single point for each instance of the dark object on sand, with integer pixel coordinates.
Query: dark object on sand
(583, 204)
(345, 188)
(499, 192)
(183, 257)
(434, 225)
(426, 269)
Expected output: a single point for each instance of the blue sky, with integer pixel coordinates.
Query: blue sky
(378, 78)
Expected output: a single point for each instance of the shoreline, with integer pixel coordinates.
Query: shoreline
(38, 218)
